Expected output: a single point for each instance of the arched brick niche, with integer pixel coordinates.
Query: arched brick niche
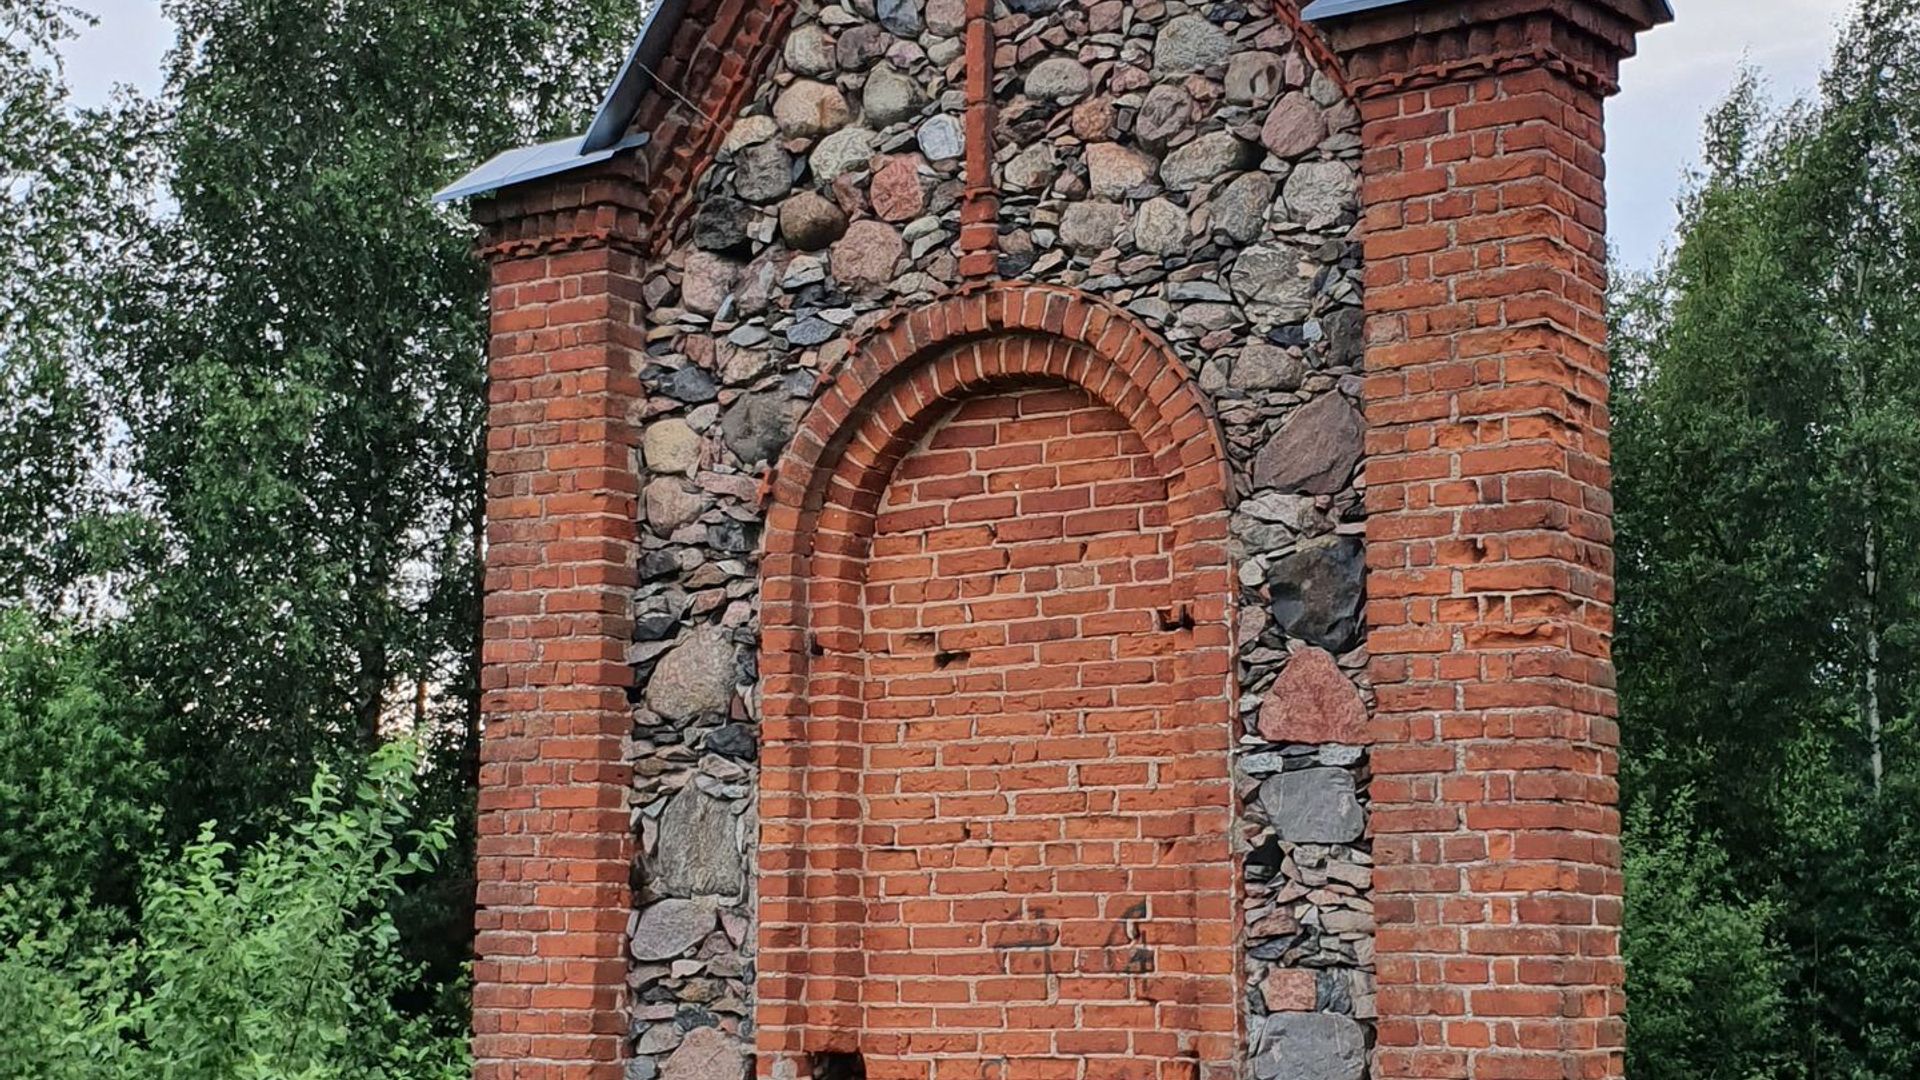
(997, 672)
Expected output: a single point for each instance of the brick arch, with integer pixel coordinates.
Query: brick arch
(817, 915)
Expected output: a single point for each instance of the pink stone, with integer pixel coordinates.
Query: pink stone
(1290, 990)
(1126, 77)
(1094, 120)
(1295, 126)
(868, 255)
(896, 192)
(1313, 701)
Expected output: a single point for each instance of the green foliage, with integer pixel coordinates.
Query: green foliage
(1767, 438)
(75, 788)
(241, 383)
(73, 199)
(303, 376)
(276, 962)
(1853, 896)
(1705, 991)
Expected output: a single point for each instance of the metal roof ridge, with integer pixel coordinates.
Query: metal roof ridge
(1333, 9)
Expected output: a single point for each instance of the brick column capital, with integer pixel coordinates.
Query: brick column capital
(605, 205)
(1394, 48)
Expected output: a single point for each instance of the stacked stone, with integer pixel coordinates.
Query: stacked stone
(1185, 162)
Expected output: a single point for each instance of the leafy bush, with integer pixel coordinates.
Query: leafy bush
(277, 962)
(75, 804)
(1704, 981)
(1854, 894)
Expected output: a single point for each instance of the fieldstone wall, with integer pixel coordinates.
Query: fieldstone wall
(1188, 163)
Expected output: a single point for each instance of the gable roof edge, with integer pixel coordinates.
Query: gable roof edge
(605, 137)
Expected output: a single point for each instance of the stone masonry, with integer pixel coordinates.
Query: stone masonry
(1053, 538)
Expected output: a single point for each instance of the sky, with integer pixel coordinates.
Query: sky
(1653, 126)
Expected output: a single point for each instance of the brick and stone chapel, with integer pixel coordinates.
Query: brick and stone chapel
(1056, 540)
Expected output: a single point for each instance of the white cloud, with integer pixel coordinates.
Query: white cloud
(126, 46)
(1683, 70)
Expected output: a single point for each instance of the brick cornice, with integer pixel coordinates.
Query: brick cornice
(1403, 48)
(601, 206)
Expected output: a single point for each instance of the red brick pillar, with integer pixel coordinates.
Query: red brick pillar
(1489, 533)
(555, 847)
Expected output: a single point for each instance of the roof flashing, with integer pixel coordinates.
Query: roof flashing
(519, 165)
(636, 77)
(1321, 10)
(605, 137)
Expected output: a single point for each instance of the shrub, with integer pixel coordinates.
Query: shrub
(279, 962)
(1705, 998)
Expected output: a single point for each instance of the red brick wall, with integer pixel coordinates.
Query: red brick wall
(1041, 887)
(997, 828)
(554, 846)
(1490, 584)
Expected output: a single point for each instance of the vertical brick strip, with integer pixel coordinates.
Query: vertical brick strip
(1489, 537)
(980, 210)
(555, 848)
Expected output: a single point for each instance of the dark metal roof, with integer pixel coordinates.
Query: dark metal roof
(605, 137)
(636, 75)
(1333, 9)
(524, 163)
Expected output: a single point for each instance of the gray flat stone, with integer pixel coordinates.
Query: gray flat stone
(1208, 158)
(1189, 43)
(1254, 77)
(1032, 169)
(1316, 450)
(1317, 591)
(1160, 227)
(757, 426)
(1241, 210)
(763, 172)
(809, 51)
(1311, 1046)
(941, 138)
(670, 504)
(699, 849)
(1314, 806)
(670, 446)
(891, 97)
(707, 1054)
(1320, 189)
(667, 929)
(1167, 111)
(1090, 227)
(903, 17)
(844, 151)
(1059, 79)
(1262, 366)
(1275, 283)
(695, 677)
